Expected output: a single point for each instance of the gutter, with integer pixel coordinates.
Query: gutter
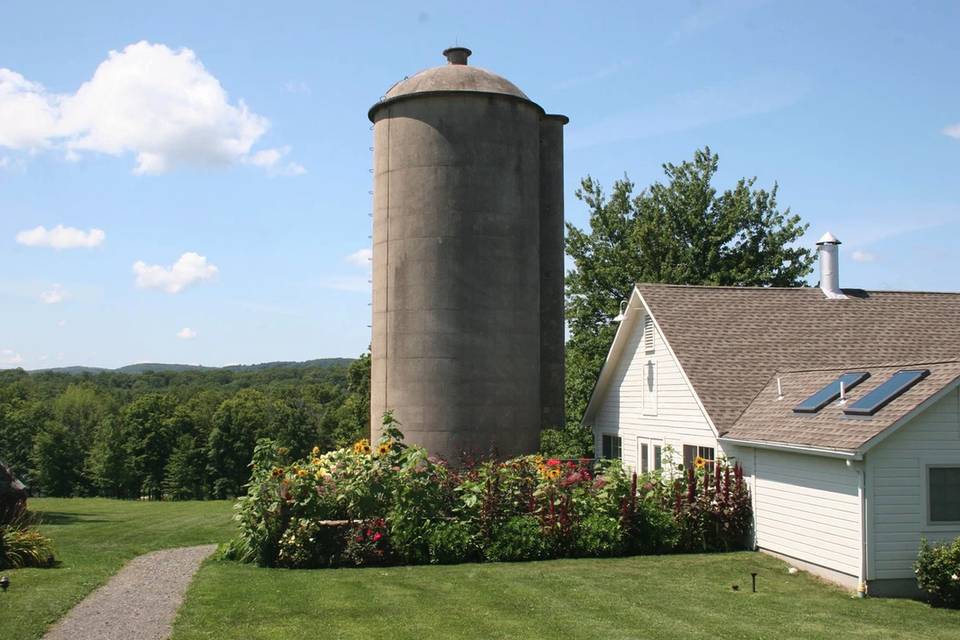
(861, 496)
(795, 448)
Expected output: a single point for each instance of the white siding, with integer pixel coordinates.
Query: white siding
(807, 508)
(896, 476)
(675, 418)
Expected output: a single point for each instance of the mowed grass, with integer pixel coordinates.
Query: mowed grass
(681, 596)
(93, 538)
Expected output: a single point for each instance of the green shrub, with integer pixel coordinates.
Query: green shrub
(599, 535)
(23, 547)
(519, 538)
(938, 572)
(452, 542)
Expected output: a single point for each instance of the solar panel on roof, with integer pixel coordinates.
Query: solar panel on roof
(886, 392)
(831, 392)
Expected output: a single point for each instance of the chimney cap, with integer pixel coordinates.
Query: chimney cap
(828, 238)
(457, 55)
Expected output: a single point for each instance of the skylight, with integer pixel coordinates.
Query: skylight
(886, 392)
(831, 392)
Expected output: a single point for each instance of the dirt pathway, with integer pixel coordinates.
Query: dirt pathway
(139, 603)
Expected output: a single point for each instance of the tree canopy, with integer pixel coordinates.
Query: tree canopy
(679, 231)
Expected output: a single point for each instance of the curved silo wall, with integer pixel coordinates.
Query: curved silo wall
(551, 271)
(456, 272)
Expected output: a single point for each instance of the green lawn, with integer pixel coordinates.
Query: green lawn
(683, 596)
(94, 537)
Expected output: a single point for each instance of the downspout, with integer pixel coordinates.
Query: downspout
(861, 497)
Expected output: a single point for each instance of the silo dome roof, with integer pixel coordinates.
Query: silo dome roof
(456, 75)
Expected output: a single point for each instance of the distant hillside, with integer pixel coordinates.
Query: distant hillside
(161, 367)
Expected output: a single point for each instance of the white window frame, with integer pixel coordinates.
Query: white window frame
(925, 494)
(611, 434)
(651, 457)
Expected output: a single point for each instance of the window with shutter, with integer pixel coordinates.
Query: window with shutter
(648, 335)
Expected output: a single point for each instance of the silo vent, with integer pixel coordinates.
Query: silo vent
(457, 55)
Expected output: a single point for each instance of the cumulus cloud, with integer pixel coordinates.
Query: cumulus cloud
(53, 295)
(61, 237)
(361, 258)
(186, 334)
(863, 256)
(160, 104)
(953, 131)
(271, 160)
(10, 357)
(189, 268)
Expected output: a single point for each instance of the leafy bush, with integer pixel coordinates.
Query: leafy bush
(938, 572)
(519, 538)
(24, 547)
(452, 542)
(381, 502)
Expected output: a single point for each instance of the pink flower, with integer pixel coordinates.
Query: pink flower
(377, 536)
(553, 462)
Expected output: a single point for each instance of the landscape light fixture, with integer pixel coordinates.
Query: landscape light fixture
(623, 312)
(4, 583)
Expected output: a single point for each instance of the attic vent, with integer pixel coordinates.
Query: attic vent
(648, 334)
(886, 392)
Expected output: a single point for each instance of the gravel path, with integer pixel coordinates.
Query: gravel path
(139, 603)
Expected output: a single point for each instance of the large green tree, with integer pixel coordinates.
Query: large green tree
(679, 231)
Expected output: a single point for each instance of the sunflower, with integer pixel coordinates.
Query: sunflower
(301, 473)
(315, 451)
(361, 446)
(277, 472)
(699, 462)
(553, 473)
(315, 461)
(384, 448)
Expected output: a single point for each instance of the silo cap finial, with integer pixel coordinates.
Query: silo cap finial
(457, 55)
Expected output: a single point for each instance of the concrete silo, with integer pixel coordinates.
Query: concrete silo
(468, 332)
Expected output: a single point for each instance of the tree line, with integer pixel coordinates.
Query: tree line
(172, 435)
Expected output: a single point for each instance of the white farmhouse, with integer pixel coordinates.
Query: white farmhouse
(842, 406)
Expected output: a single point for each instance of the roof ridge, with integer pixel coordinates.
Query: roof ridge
(715, 287)
(862, 365)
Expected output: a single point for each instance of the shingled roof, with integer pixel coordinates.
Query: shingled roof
(771, 418)
(731, 340)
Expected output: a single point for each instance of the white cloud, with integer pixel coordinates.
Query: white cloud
(361, 258)
(953, 131)
(61, 237)
(160, 104)
(188, 269)
(53, 295)
(862, 256)
(270, 159)
(10, 357)
(186, 334)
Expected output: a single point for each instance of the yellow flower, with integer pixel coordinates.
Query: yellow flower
(301, 473)
(321, 474)
(315, 461)
(384, 448)
(277, 472)
(362, 446)
(316, 451)
(699, 462)
(553, 473)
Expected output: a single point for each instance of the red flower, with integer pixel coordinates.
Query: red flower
(377, 536)
(553, 462)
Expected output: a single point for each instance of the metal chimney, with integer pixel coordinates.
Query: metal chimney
(828, 247)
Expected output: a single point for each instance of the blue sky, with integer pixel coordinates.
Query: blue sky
(257, 182)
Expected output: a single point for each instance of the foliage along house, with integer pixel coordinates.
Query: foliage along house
(842, 406)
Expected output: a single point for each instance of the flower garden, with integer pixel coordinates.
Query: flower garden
(390, 503)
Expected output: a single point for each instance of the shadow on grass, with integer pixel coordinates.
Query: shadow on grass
(61, 518)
